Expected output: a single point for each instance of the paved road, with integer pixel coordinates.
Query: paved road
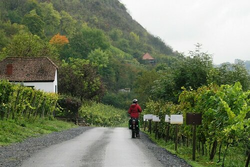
(97, 147)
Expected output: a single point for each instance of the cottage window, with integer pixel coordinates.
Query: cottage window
(9, 69)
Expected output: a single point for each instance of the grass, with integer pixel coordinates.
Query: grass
(235, 156)
(12, 131)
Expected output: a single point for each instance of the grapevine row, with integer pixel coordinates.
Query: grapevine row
(225, 119)
(19, 102)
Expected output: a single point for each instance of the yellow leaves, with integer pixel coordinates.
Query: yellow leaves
(230, 113)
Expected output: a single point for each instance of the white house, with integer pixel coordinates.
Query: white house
(37, 72)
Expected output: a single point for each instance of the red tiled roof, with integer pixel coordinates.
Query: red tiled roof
(147, 56)
(27, 69)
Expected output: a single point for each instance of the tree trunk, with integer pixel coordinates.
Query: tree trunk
(27, 111)
(220, 152)
(167, 133)
(199, 147)
(15, 106)
(224, 155)
(202, 148)
(145, 125)
(213, 151)
(33, 105)
(248, 159)
(43, 108)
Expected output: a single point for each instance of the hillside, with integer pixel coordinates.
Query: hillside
(108, 15)
(99, 47)
(100, 33)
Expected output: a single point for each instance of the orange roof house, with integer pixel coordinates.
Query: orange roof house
(37, 72)
(148, 58)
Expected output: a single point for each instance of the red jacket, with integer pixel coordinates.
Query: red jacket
(134, 110)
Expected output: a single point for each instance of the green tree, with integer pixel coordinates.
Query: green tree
(68, 24)
(134, 37)
(165, 86)
(79, 79)
(34, 23)
(193, 70)
(190, 72)
(31, 5)
(98, 58)
(14, 16)
(88, 40)
(230, 74)
(12, 29)
(144, 85)
(115, 34)
(50, 17)
(28, 45)
(3, 39)
(12, 5)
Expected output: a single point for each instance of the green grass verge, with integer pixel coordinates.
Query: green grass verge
(12, 131)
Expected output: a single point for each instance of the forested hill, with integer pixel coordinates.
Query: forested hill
(108, 15)
(98, 48)
(96, 44)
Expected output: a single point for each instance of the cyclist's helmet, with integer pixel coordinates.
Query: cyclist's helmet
(135, 101)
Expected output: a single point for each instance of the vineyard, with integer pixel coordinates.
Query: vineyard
(223, 135)
(98, 114)
(18, 102)
(223, 138)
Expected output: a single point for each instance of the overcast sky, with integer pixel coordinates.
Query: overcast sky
(221, 26)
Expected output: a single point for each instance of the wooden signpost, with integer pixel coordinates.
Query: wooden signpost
(194, 119)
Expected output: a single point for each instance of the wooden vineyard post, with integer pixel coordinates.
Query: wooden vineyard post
(156, 119)
(150, 126)
(167, 120)
(194, 142)
(149, 118)
(177, 120)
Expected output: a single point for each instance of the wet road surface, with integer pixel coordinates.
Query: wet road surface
(97, 147)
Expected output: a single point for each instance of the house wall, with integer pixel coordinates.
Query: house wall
(55, 83)
(44, 86)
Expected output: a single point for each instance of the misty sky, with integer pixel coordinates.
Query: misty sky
(221, 26)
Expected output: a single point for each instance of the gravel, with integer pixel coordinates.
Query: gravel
(13, 155)
(165, 157)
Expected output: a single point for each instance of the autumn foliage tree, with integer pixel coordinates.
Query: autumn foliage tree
(59, 40)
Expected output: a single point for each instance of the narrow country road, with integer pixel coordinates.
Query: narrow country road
(97, 147)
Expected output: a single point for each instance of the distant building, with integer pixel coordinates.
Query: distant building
(147, 58)
(37, 72)
(127, 90)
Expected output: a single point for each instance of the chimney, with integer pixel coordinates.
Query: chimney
(9, 69)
